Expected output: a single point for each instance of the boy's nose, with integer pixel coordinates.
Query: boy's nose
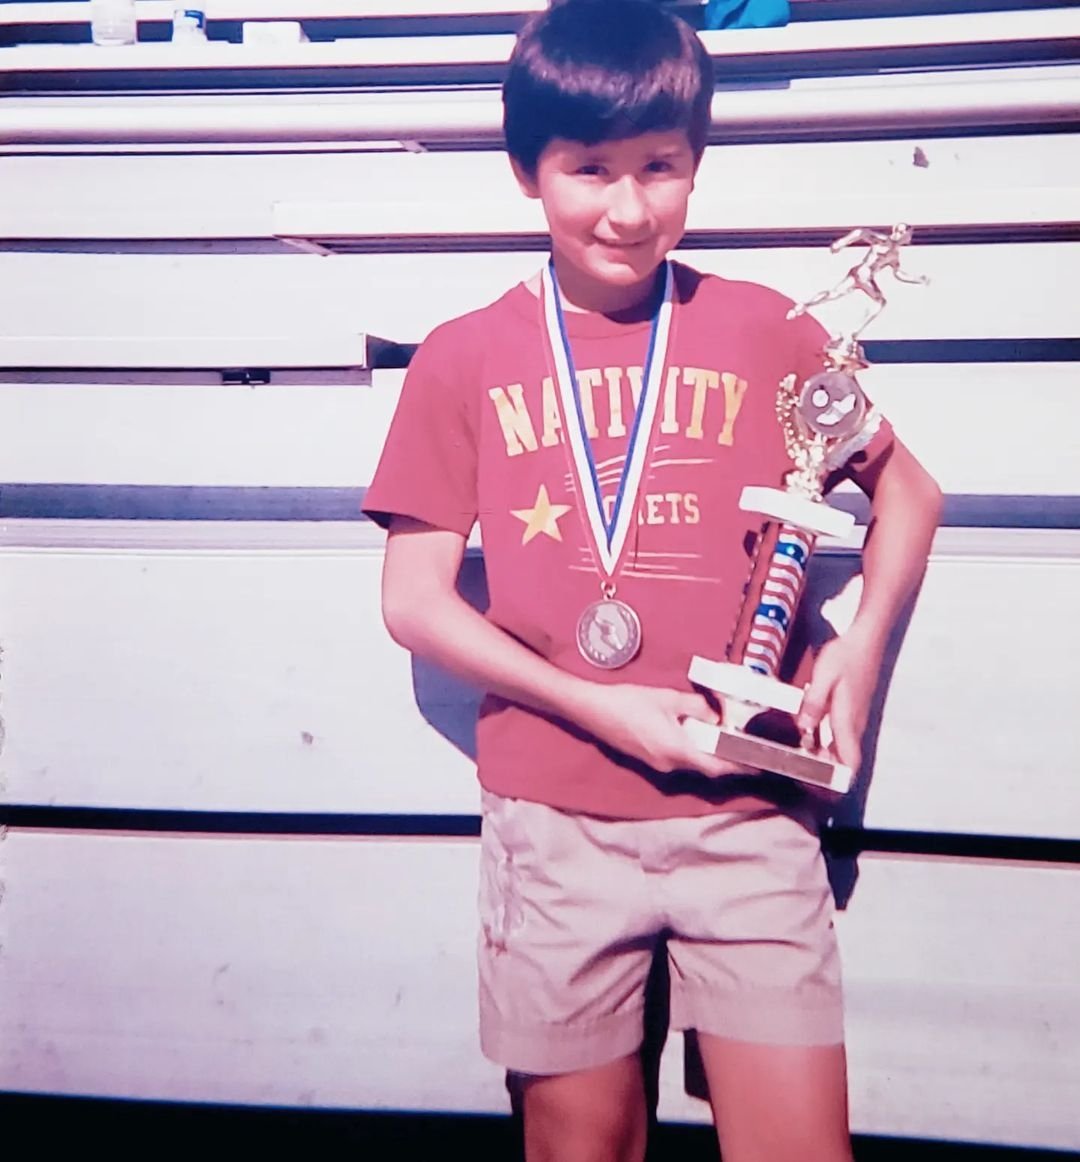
(627, 208)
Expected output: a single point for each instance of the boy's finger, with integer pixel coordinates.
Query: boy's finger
(689, 705)
(846, 744)
(815, 703)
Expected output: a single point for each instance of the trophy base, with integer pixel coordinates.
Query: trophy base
(815, 769)
(731, 680)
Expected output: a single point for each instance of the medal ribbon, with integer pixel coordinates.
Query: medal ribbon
(609, 537)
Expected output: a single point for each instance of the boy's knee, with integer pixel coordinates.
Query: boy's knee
(593, 1116)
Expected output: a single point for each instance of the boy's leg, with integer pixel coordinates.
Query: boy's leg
(755, 970)
(777, 1103)
(568, 928)
(593, 1115)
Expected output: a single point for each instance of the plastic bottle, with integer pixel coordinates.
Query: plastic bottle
(113, 22)
(189, 23)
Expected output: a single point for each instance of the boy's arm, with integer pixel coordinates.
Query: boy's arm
(425, 613)
(906, 508)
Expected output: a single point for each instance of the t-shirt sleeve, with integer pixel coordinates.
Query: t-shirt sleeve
(427, 469)
(862, 464)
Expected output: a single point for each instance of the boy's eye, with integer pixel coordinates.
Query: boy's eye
(590, 169)
(658, 165)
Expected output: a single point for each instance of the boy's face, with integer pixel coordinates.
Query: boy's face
(614, 210)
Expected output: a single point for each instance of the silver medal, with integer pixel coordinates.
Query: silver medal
(608, 633)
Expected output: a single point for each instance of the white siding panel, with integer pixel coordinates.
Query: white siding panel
(1007, 290)
(1005, 428)
(264, 681)
(273, 972)
(222, 681)
(305, 436)
(978, 722)
(307, 972)
(980, 428)
(207, 196)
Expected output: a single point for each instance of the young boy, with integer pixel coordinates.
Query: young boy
(600, 421)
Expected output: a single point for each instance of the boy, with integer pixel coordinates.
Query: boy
(601, 420)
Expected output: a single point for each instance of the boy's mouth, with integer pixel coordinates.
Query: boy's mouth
(636, 244)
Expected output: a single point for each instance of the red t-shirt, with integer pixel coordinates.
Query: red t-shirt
(478, 435)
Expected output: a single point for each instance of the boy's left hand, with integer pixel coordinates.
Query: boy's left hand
(842, 687)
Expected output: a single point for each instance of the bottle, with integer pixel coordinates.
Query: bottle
(113, 22)
(188, 23)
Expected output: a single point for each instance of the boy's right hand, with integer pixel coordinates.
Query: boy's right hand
(645, 722)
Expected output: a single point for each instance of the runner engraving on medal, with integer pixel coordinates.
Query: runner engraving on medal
(608, 630)
(609, 633)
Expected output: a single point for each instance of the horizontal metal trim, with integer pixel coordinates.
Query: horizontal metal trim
(146, 245)
(234, 74)
(168, 502)
(237, 353)
(804, 10)
(844, 841)
(779, 238)
(89, 361)
(1000, 350)
(1036, 96)
(1020, 212)
(53, 13)
(809, 47)
(346, 537)
(849, 841)
(68, 22)
(974, 511)
(57, 818)
(720, 238)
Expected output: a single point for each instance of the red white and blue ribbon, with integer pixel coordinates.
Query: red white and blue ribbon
(608, 536)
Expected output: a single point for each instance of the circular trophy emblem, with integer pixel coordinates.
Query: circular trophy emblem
(608, 633)
(832, 404)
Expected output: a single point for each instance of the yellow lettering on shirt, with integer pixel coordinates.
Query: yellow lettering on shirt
(734, 390)
(552, 420)
(517, 428)
(680, 411)
(662, 508)
(587, 380)
(702, 380)
(669, 425)
(634, 374)
(614, 375)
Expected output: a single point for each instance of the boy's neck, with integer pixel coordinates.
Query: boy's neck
(587, 296)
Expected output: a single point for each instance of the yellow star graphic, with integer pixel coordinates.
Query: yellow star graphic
(543, 517)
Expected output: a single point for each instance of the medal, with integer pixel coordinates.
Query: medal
(608, 631)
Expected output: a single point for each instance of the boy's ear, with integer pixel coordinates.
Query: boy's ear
(526, 182)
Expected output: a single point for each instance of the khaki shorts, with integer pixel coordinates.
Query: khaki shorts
(572, 908)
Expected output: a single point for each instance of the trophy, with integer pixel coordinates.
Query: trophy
(825, 421)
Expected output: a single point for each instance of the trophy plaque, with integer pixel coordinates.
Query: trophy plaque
(825, 420)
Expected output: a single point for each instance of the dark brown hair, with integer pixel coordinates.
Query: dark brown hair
(603, 70)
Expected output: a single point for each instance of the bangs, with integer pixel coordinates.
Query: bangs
(604, 70)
